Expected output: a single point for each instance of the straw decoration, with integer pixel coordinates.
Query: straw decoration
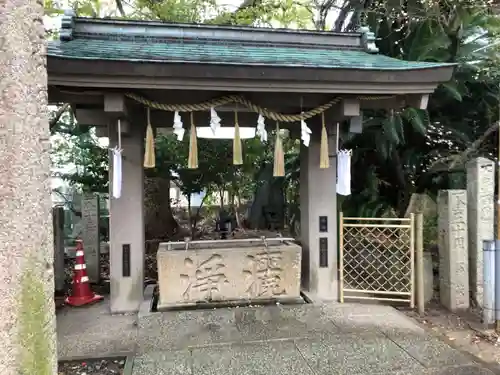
(149, 147)
(193, 147)
(237, 152)
(279, 155)
(324, 160)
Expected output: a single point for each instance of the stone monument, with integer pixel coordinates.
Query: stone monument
(453, 249)
(421, 203)
(480, 197)
(90, 235)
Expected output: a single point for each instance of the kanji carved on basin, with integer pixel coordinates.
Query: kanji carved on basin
(228, 271)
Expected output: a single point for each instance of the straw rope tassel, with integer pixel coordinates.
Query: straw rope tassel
(149, 147)
(193, 147)
(279, 155)
(324, 160)
(237, 152)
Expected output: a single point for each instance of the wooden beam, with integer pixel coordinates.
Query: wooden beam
(419, 101)
(350, 107)
(356, 124)
(92, 117)
(287, 103)
(114, 103)
(102, 131)
(59, 95)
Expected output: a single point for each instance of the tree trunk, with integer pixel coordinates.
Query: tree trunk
(221, 197)
(159, 222)
(404, 193)
(196, 218)
(190, 217)
(27, 313)
(236, 208)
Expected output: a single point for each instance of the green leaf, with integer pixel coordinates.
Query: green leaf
(382, 147)
(417, 118)
(399, 127)
(390, 131)
(451, 89)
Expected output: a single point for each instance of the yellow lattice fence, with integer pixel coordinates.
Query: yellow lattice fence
(377, 259)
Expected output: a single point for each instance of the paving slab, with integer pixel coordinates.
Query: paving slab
(264, 358)
(163, 363)
(428, 350)
(91, 331)
(460, 370)
(309, 339)
(185, 329)
(282, 322)
(356, 354)
(351, 317)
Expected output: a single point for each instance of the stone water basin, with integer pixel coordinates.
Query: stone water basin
(244, 270)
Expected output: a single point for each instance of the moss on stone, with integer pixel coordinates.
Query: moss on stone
(35, 339)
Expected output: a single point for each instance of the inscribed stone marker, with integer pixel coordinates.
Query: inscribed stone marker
(453, 249)
(90, 235)
(480, 196)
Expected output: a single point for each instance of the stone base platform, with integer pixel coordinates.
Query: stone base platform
(315, 339)
(231, 303)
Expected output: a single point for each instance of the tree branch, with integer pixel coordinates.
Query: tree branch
(459, 159)
(344, 11)
(119, 6)
(68, 203)
(229, 18)
(57, 116)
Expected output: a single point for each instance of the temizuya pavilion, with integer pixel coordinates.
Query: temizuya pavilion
(105, 67)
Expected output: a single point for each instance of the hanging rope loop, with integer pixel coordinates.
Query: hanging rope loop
(238, 99)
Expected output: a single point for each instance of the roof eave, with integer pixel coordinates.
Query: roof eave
(424, 67)
(105, 73)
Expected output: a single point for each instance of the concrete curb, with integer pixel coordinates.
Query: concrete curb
(309, 298)
(129, 365)
(145, 307)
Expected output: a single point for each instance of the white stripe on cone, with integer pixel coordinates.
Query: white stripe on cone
(84, 279)
(79, 253)
(80, 266)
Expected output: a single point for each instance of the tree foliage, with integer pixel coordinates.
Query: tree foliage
(415, 150)
(76, 153)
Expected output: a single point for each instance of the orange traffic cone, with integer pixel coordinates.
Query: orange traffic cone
(81, 293)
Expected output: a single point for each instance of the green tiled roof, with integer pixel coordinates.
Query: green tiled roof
(143, 41)
(219, 53)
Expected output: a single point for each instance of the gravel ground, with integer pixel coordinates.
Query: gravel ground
(93, 367)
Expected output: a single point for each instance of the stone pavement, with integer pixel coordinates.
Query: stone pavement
(309, 339)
